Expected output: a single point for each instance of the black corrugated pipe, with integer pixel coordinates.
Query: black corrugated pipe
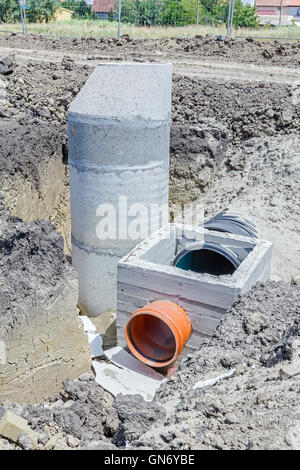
(213, 258)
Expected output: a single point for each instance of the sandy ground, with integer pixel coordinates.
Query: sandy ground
(204, 67)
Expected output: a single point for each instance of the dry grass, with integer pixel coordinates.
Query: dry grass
(88, 28)
(92, 28)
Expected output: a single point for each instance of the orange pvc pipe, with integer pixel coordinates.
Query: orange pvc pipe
(156, 333)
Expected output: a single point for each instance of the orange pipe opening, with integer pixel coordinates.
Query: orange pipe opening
(156, 333)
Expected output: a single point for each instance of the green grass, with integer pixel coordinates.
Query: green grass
(98, 29)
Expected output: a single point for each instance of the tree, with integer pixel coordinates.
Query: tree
(182, 12)
(9, 11)
(80, 9)
(41, 11)
(149, 12)
(155, 12)
(216, 11)
(245, 15)
(210, 5)
(111, 15)
(142, 13)
(129, 13)
(175, 13)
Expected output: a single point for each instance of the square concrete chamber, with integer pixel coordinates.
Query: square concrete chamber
(146, 274)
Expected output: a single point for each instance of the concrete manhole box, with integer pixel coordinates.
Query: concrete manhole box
(147, 274)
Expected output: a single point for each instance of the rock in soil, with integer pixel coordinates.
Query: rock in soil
(81, 417)
(6, 66)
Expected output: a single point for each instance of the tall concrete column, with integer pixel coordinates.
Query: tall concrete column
(119, 132)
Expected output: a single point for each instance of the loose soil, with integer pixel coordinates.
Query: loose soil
(234, 145)
(258, 52)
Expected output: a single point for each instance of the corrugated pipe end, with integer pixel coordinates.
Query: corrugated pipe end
(157, 333)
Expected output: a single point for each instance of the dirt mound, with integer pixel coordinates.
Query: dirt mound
(262, 328)
(261, 181)
(207, 118)
(31, 256)
(196, 152)
(34, 178)
(42, 341)
(253, 402)
(250, 405)
(259, 52)
(133, 424)
(26, 146)
(247, 109)
(43, 91)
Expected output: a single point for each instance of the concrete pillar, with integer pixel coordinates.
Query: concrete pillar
(119, 131)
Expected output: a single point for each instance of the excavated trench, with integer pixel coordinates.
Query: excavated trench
(224, 141)
(34, 173)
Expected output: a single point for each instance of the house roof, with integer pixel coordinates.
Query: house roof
(103, 6)
(277, 3)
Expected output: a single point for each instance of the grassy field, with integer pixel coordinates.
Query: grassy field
(97, 28)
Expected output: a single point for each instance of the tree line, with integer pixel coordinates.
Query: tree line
(43, 11)
(137, 12)
(184, 12)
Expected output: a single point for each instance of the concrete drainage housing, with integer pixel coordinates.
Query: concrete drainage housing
(148, 275)
(119, 134)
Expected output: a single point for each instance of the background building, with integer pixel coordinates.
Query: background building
(272, 7)
(103, 7)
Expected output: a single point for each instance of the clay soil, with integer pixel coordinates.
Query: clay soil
(234, 145)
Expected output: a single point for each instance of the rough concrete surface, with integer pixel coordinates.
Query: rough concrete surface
(42, 338)
(119, 138)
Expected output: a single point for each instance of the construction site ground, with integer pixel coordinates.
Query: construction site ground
(234, 145)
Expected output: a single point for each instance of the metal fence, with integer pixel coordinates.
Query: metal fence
(112, 17)
(27, 14)
(171, 12)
